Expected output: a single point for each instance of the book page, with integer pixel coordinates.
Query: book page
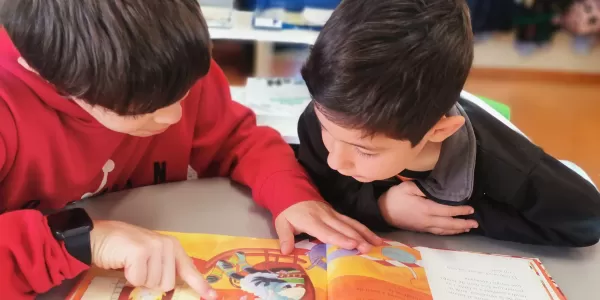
(463, 275)
(236, 267)
(392, 271)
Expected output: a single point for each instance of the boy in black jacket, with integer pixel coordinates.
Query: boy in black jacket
(389, 141)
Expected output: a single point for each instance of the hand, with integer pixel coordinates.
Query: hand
(149, 259)
(405, 206)
(320, 220)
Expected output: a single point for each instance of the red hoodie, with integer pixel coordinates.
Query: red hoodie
(52, 152)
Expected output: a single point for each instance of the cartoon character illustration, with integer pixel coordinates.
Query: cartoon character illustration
(285, 283)
(391, 254)
(317, 254)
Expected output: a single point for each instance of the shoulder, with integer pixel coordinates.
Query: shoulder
(505, 158)
(8, 138)
(499, 141)
(309, 129)
(8, 103)
(214, 81)
(211, 91)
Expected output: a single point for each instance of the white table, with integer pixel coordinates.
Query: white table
(218, 207)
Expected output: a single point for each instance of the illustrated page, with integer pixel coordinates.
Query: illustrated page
(238, 268)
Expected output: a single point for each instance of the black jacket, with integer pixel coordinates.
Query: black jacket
(519, 192)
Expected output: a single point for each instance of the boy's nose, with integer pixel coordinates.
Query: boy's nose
(169, 115)
(338, 162)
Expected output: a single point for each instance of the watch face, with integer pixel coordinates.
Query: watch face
(69, 223)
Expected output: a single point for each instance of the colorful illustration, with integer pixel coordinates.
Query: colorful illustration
(392, 271)
(237, 268)
(254, 269)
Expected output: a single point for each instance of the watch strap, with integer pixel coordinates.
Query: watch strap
(79, 246)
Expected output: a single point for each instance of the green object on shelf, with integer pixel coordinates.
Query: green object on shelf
(502, 108)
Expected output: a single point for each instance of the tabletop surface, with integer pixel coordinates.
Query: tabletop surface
(217, 206)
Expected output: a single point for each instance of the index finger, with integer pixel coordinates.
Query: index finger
(449, 223)
(442, 210)
(328, 235)
(369, 235)
(187, 272)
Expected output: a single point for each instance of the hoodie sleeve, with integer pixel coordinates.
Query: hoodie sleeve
(554, 206)
(252, 155)
(31, 260)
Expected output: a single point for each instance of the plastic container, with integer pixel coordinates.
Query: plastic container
(269, 14)
(218, 13)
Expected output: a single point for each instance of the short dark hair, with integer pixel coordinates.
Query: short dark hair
(129, 56)
(392, 67)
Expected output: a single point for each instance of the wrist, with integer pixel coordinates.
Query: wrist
(382, 203)
(72, 227)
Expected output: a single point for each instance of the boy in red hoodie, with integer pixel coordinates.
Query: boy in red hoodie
(100, 96)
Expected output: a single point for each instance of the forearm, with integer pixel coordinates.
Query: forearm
(504, 222)
(32, 261)
(553, 206)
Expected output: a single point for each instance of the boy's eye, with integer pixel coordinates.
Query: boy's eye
(361, 153)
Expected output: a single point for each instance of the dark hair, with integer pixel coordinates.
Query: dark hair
(129, 56)
(392, 67)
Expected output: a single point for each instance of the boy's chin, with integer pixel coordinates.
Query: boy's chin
(362, 179)
(145, 133)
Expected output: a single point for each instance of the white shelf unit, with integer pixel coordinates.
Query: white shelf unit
(498, 52)
(243, 30)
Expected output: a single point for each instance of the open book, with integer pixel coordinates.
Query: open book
(249, 269)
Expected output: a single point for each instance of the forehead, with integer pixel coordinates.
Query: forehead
(354, 136)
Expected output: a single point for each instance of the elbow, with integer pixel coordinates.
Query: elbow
(583, 229)
(582, 241)
(584, 234)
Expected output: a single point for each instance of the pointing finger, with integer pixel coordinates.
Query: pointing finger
(188, 273)
(328, 235)
(369, 235)
(450, 223)
(285, 232)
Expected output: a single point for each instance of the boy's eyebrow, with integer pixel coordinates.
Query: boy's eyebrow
(368, 148)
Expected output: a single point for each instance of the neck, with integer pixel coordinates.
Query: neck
(427, 158)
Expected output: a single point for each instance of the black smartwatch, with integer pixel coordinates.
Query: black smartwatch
(73, 227)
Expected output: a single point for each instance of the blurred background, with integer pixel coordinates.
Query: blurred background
(537, 62)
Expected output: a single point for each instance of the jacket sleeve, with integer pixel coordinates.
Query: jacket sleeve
(554, 206)
(346, 195)
(31, 260)
(252, 155)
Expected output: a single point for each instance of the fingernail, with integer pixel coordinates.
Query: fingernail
(471, 211)
(212, 294)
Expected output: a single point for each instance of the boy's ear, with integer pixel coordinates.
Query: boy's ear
(444, 128)
(25, 65)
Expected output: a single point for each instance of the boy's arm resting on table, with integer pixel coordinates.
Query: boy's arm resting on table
(554, 206)
(32, 261)
(346, 195)
(252, 155)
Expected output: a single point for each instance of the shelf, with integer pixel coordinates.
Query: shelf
(242, 29)
(497, 52)
(559, 55)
